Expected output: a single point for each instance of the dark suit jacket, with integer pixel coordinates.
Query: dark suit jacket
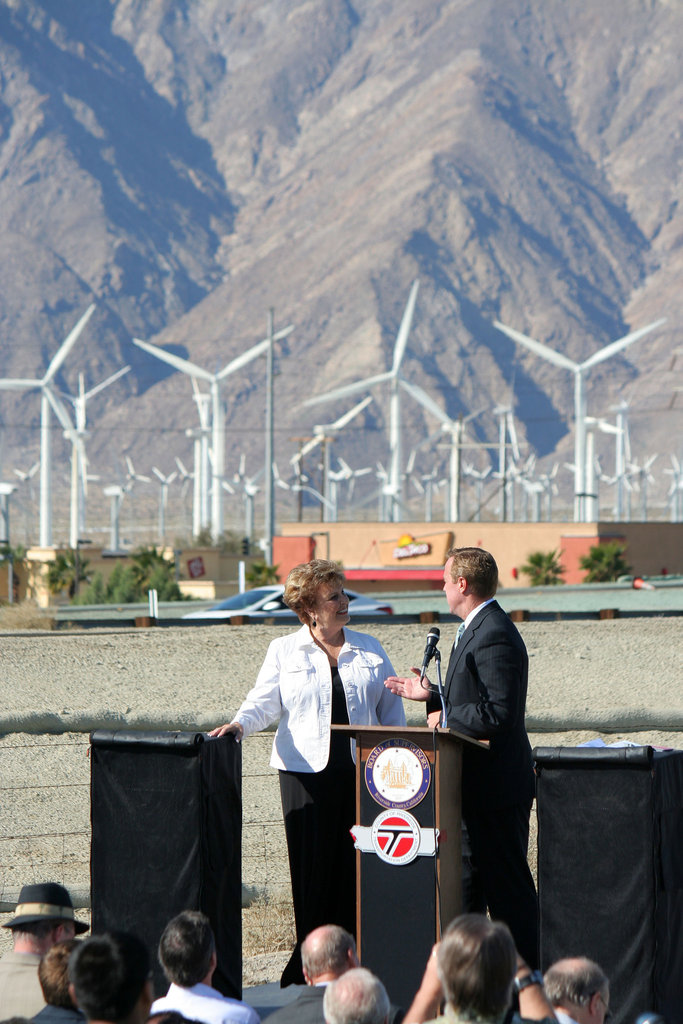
(307, 1008)
(485, 691)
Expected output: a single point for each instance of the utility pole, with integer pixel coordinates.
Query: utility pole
(269, 510)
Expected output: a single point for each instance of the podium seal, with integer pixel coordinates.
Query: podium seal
(397, 774)
(396, 837)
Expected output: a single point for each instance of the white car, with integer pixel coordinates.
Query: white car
(267, 603)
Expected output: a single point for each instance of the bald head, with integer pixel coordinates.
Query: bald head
(580, 987)
(327, 953)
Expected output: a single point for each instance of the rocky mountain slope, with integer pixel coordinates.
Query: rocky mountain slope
(188, 164)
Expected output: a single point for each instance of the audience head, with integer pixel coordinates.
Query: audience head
(187, 950)
(357, 997)
(580, 987)
(327, 952)
(476, 963)
(44, 915)
(53, 973)
(110, 978)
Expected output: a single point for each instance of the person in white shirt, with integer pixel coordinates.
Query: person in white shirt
(323, 674)
(579, 991)
(187, 953)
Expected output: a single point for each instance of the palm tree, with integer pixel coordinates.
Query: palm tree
(605, 562)
(260, 574)
(544, 568)
(66, 572)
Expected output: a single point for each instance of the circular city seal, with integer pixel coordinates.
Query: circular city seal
(397, 773)
(396, 837)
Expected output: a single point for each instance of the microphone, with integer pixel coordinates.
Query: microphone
(430, 649)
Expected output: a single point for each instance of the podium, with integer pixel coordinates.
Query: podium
(408, 842)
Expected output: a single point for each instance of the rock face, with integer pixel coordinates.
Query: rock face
(188, 164)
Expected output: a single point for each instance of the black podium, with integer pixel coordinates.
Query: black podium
(408, 842)
(166, 812)
(610, 870)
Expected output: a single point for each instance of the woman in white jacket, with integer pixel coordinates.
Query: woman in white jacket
(321, 675)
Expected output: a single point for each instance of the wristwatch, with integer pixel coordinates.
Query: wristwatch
(532, 978)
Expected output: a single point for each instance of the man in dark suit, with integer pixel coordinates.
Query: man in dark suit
(327, 953)
(485, 698)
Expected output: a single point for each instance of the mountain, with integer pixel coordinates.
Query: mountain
(187, 165)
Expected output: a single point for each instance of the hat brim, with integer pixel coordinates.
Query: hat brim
(79, 926)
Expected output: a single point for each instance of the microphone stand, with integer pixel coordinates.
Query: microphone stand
(444, 716)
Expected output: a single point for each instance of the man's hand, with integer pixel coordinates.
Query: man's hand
(409, 687)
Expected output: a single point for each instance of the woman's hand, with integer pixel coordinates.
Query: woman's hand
(233, 728)
(409, 686)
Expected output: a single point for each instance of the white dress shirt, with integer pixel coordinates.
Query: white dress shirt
(202, 1003)
(294, 688)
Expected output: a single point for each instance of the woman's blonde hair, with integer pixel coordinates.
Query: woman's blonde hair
(304, 582)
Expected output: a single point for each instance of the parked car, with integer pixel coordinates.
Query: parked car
(267, 603)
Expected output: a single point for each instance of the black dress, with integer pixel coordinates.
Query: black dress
(319, 810)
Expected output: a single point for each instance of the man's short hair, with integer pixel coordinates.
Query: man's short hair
(186, 947)
(574, 982)
(329, 953)
(108, 973)
(36, 929)
(53, 973)
(478, 567)
(476, 964)
(357, 997)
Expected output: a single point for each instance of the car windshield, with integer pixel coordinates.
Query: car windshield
(245, 600)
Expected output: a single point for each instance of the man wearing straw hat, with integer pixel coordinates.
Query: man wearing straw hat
(44, 916)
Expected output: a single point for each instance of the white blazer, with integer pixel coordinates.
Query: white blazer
(294, 688)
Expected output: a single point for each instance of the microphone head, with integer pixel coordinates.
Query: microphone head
(433, 636)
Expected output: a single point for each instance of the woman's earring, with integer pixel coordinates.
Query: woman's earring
(313, 623)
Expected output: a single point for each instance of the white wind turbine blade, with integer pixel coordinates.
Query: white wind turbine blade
(180, 364)
(621, 343)
(347, 417)
(19, 384)
(105, 383)
(424, 400)
(256, 350)
(404, 329)
(536, 346)
(512, 431)
(67, 345)
(349, 389)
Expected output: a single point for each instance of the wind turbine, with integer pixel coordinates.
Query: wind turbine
(579, 370)
(642, 477)
(322, 434)
(393, 376)
(249, 491)
(26, 477)
(45, 384)
(165, 482)
(79, 462)
(218, 412)
(675, 492)
(478, 476)
(506, 428)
